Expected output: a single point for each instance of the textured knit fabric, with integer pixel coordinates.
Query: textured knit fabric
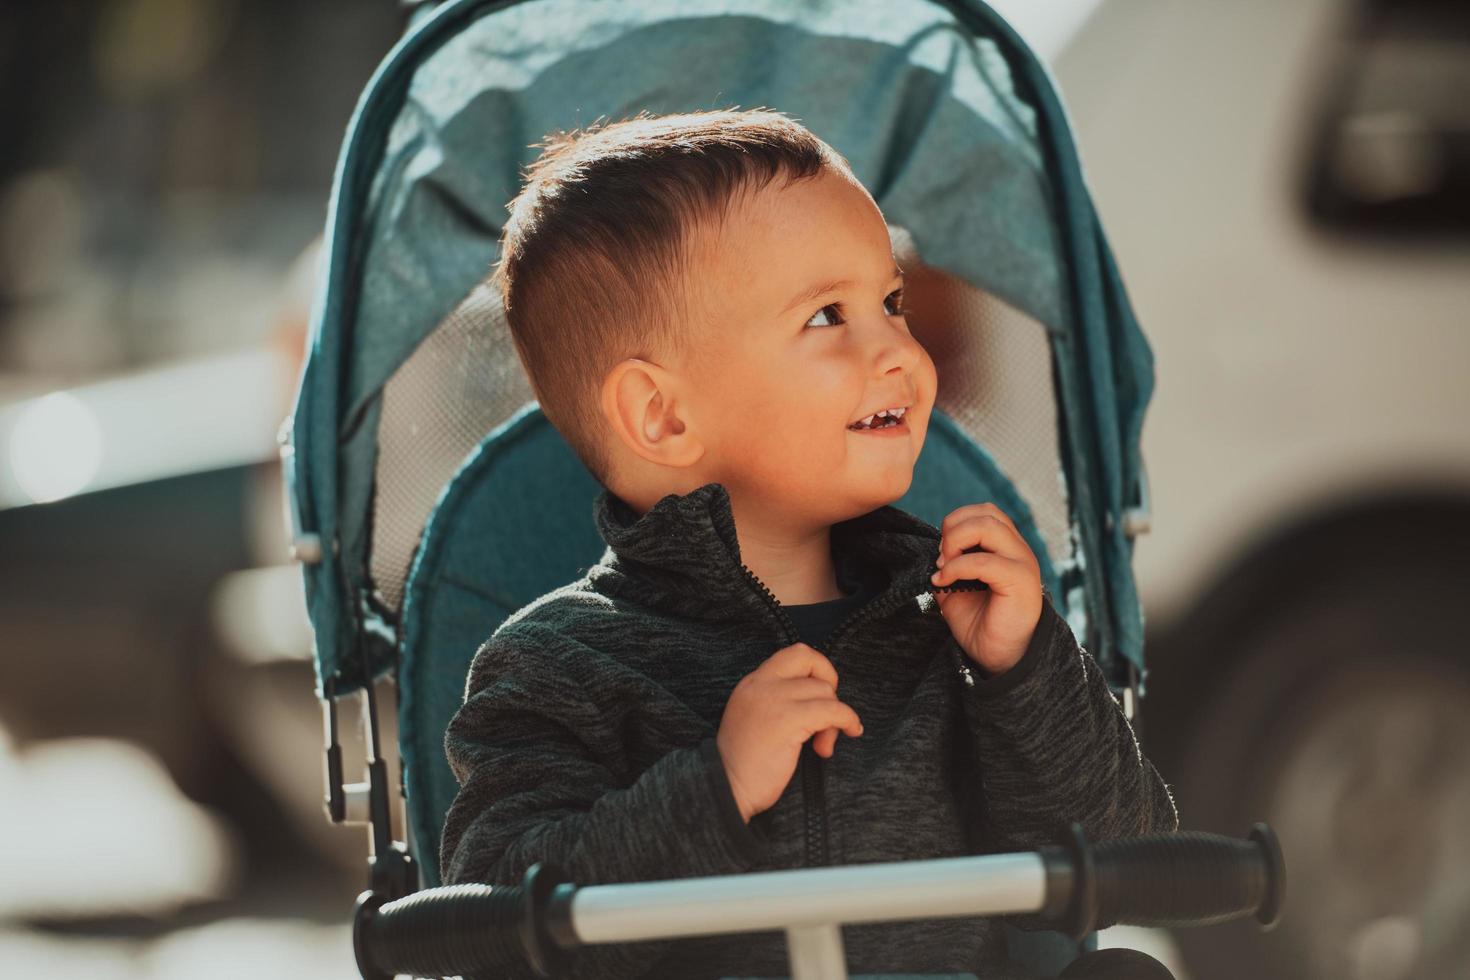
(587, 739)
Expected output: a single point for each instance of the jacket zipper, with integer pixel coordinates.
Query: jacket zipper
(881, 607)
(809, 762)
(813, 767)
(873, 610)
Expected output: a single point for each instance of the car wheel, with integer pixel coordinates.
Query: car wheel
(1345, 725)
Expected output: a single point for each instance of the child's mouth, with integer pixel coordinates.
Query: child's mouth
(881, 425)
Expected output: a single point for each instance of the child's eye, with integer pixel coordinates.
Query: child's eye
(896, 298)
(833, 319)
(832, 312)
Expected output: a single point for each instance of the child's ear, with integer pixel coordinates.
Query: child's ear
(642, 403)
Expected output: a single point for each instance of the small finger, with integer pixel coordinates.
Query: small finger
(982, 533)
(805, 661)
(809, 687)
(819, 716)
(1000, 515)
(994, 570)
(959, 515)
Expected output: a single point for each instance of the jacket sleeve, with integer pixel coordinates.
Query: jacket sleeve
(1054, 746)
(538, 761)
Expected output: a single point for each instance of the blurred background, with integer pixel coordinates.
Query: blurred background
(1287, 189)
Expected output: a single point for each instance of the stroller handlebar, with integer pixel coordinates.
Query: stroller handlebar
(1179, 879)
(1187, 878)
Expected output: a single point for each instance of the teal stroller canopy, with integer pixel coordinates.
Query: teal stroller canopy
(429, 496)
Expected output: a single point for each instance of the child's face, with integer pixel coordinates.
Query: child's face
(786, 371)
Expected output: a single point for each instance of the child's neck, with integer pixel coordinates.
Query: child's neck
(795, 564)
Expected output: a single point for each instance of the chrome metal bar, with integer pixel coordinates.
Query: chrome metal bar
(816, 953)
(991, 884)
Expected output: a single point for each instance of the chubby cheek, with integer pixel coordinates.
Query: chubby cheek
(767, 457)
(777, 412)
(761, 428)
(926, 380)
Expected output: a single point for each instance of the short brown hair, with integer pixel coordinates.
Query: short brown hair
(596, 251)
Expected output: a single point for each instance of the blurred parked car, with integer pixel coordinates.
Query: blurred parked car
(1287, 186)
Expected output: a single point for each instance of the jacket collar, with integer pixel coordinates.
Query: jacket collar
(683, 556)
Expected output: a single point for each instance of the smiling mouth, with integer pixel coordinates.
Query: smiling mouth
(880, 420)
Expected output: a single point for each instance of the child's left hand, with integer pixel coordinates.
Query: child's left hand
(993, 627)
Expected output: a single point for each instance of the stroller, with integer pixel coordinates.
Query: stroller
(429, 497)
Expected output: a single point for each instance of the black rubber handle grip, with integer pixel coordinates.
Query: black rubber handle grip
(1187, 878)
(464, 929)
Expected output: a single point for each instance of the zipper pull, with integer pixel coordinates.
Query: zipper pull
(961, 585)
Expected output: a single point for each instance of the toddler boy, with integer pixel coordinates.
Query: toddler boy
(709, 311)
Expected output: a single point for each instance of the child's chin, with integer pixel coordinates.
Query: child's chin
(893, 483)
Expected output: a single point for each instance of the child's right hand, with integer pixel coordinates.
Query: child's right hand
(771, 713)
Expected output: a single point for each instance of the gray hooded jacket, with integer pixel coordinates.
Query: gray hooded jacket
(587, 739)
